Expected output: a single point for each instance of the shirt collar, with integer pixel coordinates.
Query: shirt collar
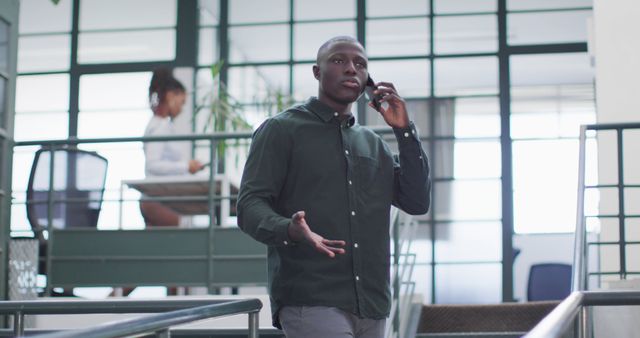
(326, 114)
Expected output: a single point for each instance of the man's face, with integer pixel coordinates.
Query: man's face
(342, 73)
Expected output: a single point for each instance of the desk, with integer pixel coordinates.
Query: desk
(188, 186)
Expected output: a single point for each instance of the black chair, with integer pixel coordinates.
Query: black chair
(549, 281)
(79, 179)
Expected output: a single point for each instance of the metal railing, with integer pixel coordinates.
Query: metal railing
(211, 199)
(181, 311)
(580, 272)
(402, 230)
(575, 310)
(557, 323)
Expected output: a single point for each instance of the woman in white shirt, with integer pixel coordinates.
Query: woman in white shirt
(166, 97)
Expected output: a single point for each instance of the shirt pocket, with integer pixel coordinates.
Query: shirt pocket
(368, 175)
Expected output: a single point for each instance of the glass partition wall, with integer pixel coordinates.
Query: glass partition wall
(497, 88)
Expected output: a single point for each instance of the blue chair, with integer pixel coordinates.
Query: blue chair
(549, 281)
(79, 183)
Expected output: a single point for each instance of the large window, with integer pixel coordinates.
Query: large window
(448, 59)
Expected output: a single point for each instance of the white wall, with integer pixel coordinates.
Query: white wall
(617, 60)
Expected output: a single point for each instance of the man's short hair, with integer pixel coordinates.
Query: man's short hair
(337, 39)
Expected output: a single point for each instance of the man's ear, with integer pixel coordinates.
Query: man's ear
(316, 72)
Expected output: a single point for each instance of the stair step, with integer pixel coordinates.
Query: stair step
(472, 334)
(473, 320)
(224, 333)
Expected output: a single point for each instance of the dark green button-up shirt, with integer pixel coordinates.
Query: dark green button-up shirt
(345, 178)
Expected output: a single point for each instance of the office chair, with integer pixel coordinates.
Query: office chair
(549, 281)
(78, 186)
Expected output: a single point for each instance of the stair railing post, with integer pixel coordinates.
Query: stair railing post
(254, 324)
(18, 324)
(164, 333)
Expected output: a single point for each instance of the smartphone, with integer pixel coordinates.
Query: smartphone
(373, 98)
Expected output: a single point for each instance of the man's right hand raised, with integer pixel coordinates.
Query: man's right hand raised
(300, 232)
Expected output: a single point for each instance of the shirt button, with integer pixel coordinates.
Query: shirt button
(355, 245)
(350, 183)
(346, 152)
(353, 213)
(357, 277)
(286, 243)
(406, 134)
(335, 114)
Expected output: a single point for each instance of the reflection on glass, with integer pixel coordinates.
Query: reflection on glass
(396, 37)
(630, 140)
(37, 16)
(19, 221)
(550, 69)
(422, 273)
(466, 76)
(204, 85)
(130, 46)
(410, 77)
(466, 34)
(551, 111)
(469, 241)
(464, 6)
(541, 167)
(22, 162)
(308, 37)
(422, 243)
(631, 201)
(326, 9)
(44, 53)
(304, 84)
(98, 124)
(42, 93)
(382, 8)
(127, 91)
(479, 159)
(257, 84)
(632, 230)
(41, 126)
(207, 46)
(612, 263)
(515, 5)
(477, 117)
(121, 14)
(551, 95)
(246, 43)
(209, 12)
(469, 283)
(551, 27)
(632, 250)
(251, 11)
(466, 200)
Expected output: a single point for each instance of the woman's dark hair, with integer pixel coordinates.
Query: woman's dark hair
(162, 82)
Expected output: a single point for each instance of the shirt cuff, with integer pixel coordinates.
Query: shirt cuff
(281, 232)
(406, 134)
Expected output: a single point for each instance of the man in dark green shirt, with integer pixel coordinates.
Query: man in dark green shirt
(317, 189)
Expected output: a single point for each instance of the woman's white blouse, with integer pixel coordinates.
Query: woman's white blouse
(164, 158)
